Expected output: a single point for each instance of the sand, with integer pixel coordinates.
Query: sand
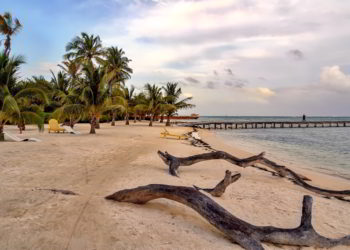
(125, 157)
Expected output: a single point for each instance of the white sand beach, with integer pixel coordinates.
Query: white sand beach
(121, 157)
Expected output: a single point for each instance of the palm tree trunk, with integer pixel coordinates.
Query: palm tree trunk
(161, 118)
(2, 136)
(97, 123)
(151, 121)
(127, 118)
(114, 114)
(93, 125)
(7, 45)
(168, 121)
(135, 117)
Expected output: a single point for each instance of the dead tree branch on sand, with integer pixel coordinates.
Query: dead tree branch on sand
(175, 162)
(220, 188)
(245, 234)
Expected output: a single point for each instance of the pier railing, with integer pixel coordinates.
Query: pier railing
(266, 124)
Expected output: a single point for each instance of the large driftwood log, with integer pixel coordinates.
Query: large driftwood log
(245, 234)
(220, 188)
(175, 162)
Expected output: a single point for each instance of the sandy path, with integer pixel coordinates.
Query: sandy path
(125, 157)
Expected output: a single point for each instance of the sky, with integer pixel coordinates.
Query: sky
(235, 57)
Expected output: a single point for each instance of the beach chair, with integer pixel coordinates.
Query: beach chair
(13, 138)
(166, 133)
(53, 126)
(70, 130)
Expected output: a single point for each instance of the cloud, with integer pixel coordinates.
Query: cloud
(295, 54)
(253, 38)
(332, 78)
(191, 80)
(210, 85)
(265, 92)
(229, 71)
(187, 95)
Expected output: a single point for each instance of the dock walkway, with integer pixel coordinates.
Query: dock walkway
(267, 124)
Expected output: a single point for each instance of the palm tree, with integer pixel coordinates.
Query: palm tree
(84, 48)
(70, 107)
(8, 70)
(19, 110)
(172, 96)
(126, 99)
(8, 107)
(72, 68)
(116, 65)
(141, 107)
(9, 27)
(154, 100)
(117, 70)
(95, 95)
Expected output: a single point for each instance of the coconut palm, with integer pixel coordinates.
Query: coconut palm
(84, 48)
(95, 95)
(19, 110)
(141, 107)
(154, 101)
(172, 98)
(8, 70)
(116, 65)
(8, 107)
(126, 99)
(72, 68)
(60, 86)
(9, 27)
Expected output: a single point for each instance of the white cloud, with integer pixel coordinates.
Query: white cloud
(174, 40)
(332, 78)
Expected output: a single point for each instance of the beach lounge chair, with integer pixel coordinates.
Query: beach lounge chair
(166, 133)
(13, 138)
(70, 130)
(53, 126)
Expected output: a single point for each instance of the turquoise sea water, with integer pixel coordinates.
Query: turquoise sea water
(324, 149)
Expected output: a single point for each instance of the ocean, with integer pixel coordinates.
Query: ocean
(326, 150)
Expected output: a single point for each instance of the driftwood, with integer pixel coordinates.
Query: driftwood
(175, 162)
(245, 234)
(220, 188)
(62, 191)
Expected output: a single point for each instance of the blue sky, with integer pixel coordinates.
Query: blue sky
(236, 57)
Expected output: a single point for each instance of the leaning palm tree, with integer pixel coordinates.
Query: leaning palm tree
(172, 96)
(84, 48)
(9, 27)
(94, 95)
(154, 101)
(12, 111)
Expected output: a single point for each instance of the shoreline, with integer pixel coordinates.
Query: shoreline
(121, 157)
(284, 158)
(220, 143)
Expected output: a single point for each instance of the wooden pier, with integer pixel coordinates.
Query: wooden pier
(267, 124)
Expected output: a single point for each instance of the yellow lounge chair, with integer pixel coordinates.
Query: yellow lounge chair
(179, 137)
(53, 126)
